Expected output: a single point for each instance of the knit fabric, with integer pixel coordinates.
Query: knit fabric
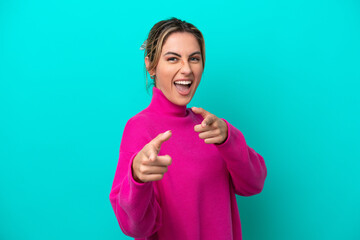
(196, 197)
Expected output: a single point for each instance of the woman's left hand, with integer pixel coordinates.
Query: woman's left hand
(212, 129)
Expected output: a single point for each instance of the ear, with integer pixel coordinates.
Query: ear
(147, 64)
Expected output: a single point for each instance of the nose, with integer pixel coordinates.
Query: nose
(185, 68)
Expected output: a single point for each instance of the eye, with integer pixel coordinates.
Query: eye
(172, 59)
(195, 59)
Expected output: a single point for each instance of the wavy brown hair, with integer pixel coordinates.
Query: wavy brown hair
(158, 35)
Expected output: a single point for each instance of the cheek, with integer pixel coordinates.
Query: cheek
(198, 71)
(168, 73)
(164, 78)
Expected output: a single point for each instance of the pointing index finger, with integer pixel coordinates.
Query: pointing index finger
(199, 128)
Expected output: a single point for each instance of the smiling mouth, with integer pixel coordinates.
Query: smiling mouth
(183, 86)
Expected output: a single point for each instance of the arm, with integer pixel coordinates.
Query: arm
(134, 204)
(246, 167)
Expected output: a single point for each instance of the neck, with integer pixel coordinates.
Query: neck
(159, 103)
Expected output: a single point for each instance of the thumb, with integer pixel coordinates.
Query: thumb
(200, 111)
(160, 139)
(208, 118)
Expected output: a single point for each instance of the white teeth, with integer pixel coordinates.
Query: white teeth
(183, 82)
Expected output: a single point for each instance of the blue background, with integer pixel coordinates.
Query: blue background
(286, 73)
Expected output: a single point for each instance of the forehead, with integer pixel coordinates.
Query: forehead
(181, 42)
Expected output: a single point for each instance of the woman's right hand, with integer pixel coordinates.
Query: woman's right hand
(148, 165)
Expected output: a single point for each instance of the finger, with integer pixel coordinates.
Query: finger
(152, 177)
(200, 111)
(165, 160)
(200, 128)
(160, 139)
(160, 161)
(146, 170)
(214, 140)
(208, 121)
(209, 134)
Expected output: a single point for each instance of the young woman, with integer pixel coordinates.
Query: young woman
(179, 168)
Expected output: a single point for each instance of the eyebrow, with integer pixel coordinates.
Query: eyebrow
(176, 54)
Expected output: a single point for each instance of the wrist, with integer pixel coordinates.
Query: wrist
(134, 176)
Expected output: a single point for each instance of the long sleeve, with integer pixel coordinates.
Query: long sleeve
(134, 204)
(195, 199)
(246, 167)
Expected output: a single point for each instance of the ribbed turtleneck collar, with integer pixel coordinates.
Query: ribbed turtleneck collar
(161, 104)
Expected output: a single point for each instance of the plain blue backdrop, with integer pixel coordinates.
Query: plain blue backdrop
(285, 73)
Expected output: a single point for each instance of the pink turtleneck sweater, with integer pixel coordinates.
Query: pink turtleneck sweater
(196, 197)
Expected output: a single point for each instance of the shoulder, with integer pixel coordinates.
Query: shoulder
(136, 133)
(137, 120)
(139, 123)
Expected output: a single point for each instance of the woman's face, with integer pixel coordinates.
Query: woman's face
(180, 68)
